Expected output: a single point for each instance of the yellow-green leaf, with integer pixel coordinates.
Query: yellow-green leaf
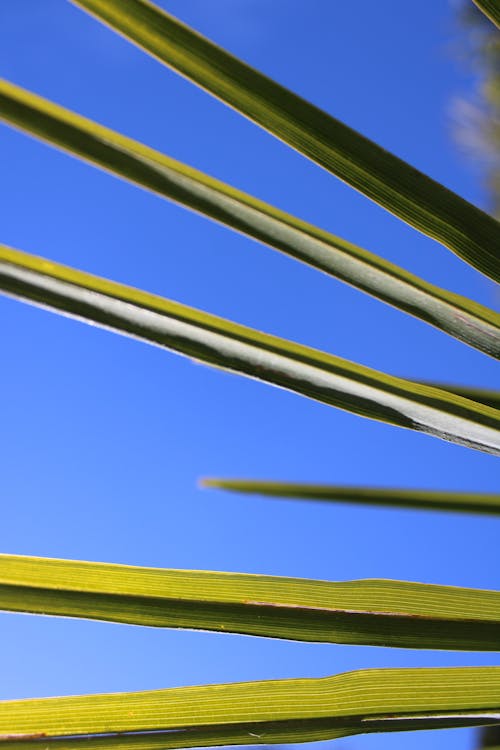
(383, 177)
(464, 502)
(485, 396)
(458, 316)
(221, 343)
(253, 713)
(368, 612)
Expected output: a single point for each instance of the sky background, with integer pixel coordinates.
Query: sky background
(103, 438)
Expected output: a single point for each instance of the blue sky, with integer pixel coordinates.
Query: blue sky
(103, 438)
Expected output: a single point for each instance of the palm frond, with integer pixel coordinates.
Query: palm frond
(310, 372)
(452, 313)
(383, 177)
(462, 502)
(245, 713)
(485, 396)
(365, 612)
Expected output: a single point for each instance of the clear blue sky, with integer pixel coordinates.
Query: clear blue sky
(103, 438)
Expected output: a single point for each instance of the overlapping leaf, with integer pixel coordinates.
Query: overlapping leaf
(456, 315)
(464, 502)
(380, 175)
(489, 738)
(219, 342)
(366, 612)
(257, 712)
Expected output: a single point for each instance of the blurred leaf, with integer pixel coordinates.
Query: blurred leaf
(490, 738)
(368, 612)
(383, 177)
(465, 502)
(224, 344)
(456, 315)
(477, 116)
(257, 712)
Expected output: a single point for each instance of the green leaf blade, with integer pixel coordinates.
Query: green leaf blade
(461, 502)
(299, 710)
(491, 9)
(222, 343)
(485, 396)
(366, 612)
(454, 314)
(398, 187)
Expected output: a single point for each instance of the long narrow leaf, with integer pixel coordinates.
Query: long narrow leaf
(383, 177)
(456, 315)
(490, 8)
(464, 502)
(482, 395)
(221, 343)
(301, 710)
(367, 612)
